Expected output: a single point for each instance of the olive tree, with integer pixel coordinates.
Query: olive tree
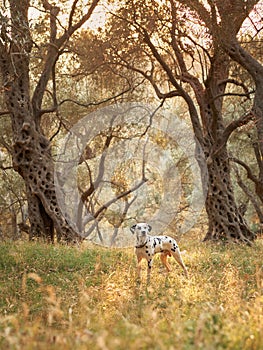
(176, 46)
(31, 153)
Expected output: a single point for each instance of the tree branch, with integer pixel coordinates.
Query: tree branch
(246, 167)
(236, 124)
(229, 130)
(249, 194)
(4, 113)
(244, 58)
(54, 50)
(235, 94)
(235, 82)
(95, 103)
(73, 28)
(180, 90)
(112, 201)
(73, 8)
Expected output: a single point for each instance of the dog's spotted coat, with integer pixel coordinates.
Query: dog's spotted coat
(147, 246)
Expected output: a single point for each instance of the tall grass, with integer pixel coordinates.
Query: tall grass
(60, 297)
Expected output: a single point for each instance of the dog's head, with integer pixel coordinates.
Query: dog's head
(141, 230)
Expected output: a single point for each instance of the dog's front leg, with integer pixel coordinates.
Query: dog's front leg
(139, 267)
(149, 270)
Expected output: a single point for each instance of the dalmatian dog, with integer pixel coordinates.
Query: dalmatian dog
(147, 246)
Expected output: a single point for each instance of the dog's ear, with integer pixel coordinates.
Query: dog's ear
(149, 227)
(133, 228)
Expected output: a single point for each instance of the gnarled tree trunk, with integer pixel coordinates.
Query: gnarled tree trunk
(32, 160)
(31, 149)
(225, 221)
(224, 218)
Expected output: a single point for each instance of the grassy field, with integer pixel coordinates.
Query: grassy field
(58, 297)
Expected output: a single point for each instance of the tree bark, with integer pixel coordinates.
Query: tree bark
(32, 160)
(224, 217)
(225, 221)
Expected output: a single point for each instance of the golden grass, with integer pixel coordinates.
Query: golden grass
(68, 298)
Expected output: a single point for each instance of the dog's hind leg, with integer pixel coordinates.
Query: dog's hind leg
(164, 260)
(178, 258)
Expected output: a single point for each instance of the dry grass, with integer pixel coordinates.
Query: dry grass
(68, 298)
